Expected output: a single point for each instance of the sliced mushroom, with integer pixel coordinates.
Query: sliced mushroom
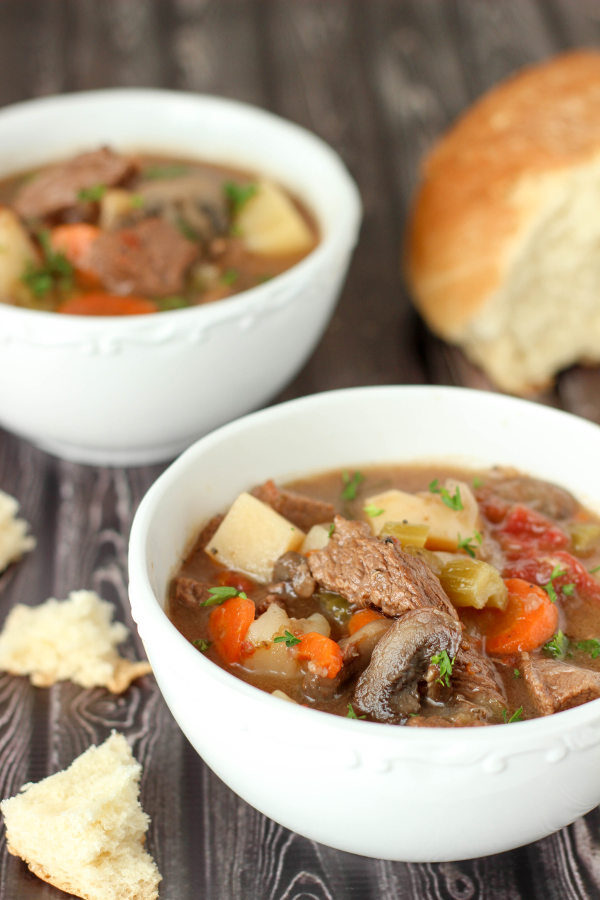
(293, 568)
(195, 203)
(388, 690)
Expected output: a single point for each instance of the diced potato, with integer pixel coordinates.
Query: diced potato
(270, 224)
(274, 659)
(272, 622)
(315, 622)
(252, 536)
(316, 539)
(16, 252)
(446, 526)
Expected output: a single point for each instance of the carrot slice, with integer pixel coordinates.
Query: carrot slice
(361, 618)
(228, 625)
(322, 651)
(74, 241)
(99, 304)
(529, 620)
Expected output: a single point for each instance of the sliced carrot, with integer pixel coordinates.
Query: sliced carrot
(228, 625)
(529, 620)
(361, 618)
(99, 304)
(322, 651)
(74, 242)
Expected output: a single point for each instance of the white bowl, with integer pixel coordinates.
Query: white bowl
(138, 389)
(375, 789)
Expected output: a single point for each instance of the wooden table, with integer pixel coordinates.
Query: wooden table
(378, 80)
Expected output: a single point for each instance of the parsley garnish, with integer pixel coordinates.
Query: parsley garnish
(351, 483)
(230, 276)
(136, 201)
(189, 233)
(351, 714)
(92, 194)
(465, 543)
(595, 569)
(174, 302)
(220, 594)
(373, 511)
(331, 529)
(567, 589)
(171, 170)
(591, 646)
(516, 673)
(558, 646)
(451, 500)
(54, 271)
(477, 482)
(516, 716)
(201, 644)
(288, 638)
(238, 195)
(445, 664)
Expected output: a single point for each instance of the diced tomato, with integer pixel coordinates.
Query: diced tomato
(526, 531)
(538, 569)
(231, 578)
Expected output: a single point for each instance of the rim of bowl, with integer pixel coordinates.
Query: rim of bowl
(151, 610)
(345, 233)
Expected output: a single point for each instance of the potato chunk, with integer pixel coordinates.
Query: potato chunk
(317, 538)
(16, 252)
(446, 526)
(252, 536)
(270, 224)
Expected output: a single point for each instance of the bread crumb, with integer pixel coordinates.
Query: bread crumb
(72, 639)
(14, 540)
(82, 829)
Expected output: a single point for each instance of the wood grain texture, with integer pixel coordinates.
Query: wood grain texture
(378, 81)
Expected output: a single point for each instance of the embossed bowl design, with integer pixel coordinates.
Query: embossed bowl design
(138, 389)
(382, 791)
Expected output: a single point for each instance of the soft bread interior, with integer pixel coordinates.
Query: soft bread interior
(546, 314)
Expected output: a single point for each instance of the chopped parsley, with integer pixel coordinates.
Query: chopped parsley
(465, 543)
(591, 646)
(92, 194)
(477, 482)
(136, 201)
(445, 665)
(558, 646)
(55, 270)
(567, 589)
(201, 644)
(373, 511)
(238, 195)
(220, 594)
(453, 501)
(516, 673)
(169, 170)
(331, 529)
(595, 569)
(351, 714)
(189, 233)
(287, 638)
(174, 302)
(351, 483)
(517, 716)
(230, 276)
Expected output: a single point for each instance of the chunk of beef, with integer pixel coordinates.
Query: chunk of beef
(188, 592)
(293, 568)
(543, 496)
(57, 187)
(369, 571)
(555, 685)
(151, 259)
(208, 531)
(388, 689)
(304, 512)
(459, 718)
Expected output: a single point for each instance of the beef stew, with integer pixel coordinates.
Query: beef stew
(407, 595)
(105, 233)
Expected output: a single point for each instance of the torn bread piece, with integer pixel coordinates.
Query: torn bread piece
(83, 829)
(14, 540)
(73, 639)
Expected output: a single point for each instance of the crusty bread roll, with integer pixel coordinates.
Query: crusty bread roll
(503, 249)
(83, 829)
(14, 539)
(73, 639)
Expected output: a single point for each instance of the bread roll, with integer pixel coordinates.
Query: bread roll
(83, 829)
(503, 244)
